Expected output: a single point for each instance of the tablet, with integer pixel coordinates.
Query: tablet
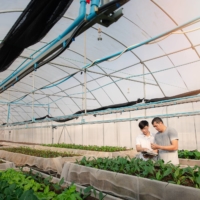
(149, 153)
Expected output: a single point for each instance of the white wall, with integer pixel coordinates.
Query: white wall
(113, 134)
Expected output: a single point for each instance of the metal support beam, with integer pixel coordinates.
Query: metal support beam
(112, 121)
(124, 109)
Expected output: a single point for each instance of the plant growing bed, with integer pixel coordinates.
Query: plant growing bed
(45, 160)
(190, 158)
(135, 178)
(89, 147)
(96, 151)
(38, 153)
(20, 185)
(5, 164)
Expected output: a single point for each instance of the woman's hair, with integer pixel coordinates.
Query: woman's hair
(143, 123)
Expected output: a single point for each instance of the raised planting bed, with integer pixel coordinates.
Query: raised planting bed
(135, 178)
(128, 152)
(6, 164)
(96, 151)
(15, 144)
(190, 158)
(89, 147)
(20, 185)
(66, 184)
(39, 153)
(45, 160)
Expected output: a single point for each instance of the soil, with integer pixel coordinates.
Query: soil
(91, 198)
(1, 162)
(49, 172)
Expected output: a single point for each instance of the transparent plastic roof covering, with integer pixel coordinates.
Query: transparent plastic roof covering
(142, 20)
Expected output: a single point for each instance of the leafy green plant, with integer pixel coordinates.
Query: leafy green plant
(89, 147)
(12, 191)
(189, 176)
(26, 185)
(189, 154)
(39, 153)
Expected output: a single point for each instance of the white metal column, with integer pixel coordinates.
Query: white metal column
(144, 87)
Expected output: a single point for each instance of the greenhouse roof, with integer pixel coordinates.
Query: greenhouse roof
(170, 64)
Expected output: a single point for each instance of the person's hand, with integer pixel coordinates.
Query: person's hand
(145, 149)
(154, 146)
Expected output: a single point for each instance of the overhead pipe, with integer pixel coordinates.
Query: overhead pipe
(93, 9)
(103, 2)
(142, 43)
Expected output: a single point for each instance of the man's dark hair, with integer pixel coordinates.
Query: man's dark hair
(143, 123)
(157, 120)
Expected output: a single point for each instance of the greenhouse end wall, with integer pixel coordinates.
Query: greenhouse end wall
(112, 134)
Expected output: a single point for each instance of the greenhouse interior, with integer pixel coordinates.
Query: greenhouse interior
(99, 99)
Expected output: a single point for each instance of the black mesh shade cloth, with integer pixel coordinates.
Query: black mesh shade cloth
(32, 25)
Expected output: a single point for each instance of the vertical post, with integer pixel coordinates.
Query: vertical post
(167, 117)
(52, 134)
(64, 134)
(103, 133)
(33, 96)
(117, 130)
(8, 114)
(48, 110)
(33, 100)
(195, 130)
(53, 127)
(85, 75)
(85, 82)
(131, 142)
(144, 87)
(84, 107)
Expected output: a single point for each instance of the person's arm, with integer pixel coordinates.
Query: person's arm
(139, 148)
(172, 147)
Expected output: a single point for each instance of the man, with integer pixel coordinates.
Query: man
(144, 140)
(166, 142)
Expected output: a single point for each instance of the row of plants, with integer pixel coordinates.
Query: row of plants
(89, 147)
(19, 185)
(195, 154)
(189, 176)
(39, 153)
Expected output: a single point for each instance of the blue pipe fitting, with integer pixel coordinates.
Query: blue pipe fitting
(35, 66)
(118, 5)
(64, 44)
(94, 4)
